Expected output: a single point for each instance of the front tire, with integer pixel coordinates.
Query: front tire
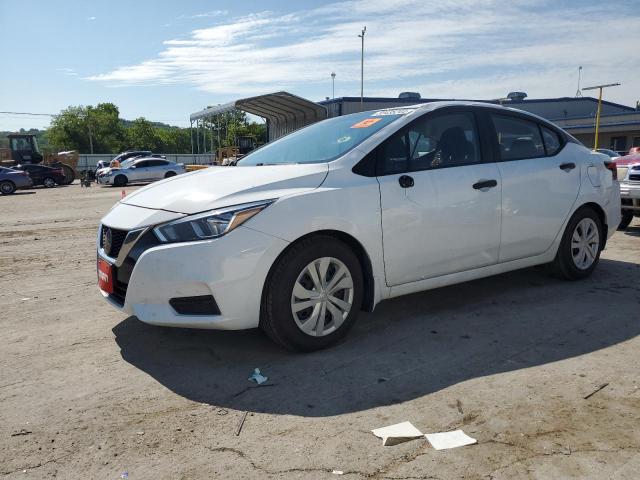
(580, 248)
(313, 294)
(169, 174)
(120, 181)
(48, 182)
(626, 220)
(7, 187)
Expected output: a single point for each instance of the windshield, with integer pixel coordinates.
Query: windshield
(323, 141)
(127, 163)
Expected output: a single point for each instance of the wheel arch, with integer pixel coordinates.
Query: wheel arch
(601, 214)
(368, 300)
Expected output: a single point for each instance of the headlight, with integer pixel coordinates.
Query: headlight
(209, 224)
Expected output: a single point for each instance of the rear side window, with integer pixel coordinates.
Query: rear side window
(433, 141)
(551, 139)
(518, 139)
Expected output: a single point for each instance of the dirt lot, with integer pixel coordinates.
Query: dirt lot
(87, 393)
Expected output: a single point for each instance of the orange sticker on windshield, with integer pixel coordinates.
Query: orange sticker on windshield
(367, 122)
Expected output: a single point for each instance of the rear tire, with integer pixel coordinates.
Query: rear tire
(327, 313)
(120, 181)
(48, 182)
(580, 248)
(626, 220)
(7, 187)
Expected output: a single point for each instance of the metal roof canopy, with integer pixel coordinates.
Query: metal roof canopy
(283, 111)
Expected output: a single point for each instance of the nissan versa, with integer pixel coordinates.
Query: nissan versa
(333, 218)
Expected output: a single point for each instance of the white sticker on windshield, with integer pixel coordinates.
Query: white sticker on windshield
(393, 111)
(346, 138)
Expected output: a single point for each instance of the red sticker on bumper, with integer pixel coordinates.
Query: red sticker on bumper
(105, 276)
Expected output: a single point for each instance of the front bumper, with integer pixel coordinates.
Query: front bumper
(232, 269)
(104, 180)
(630, 196)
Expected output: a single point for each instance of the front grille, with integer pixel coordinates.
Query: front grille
(122, 274)
(117, 239)
(119, 288)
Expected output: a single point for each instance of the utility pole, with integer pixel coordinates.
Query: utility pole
(87, 118)
(364, 30)
(600, 87)
(333, 84)
(578, 92)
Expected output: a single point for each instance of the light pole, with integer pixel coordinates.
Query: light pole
(600, 87)
(578, 92)
(333, 84)
(364, 30)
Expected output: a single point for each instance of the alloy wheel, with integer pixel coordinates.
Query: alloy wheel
(48, 182)
(322, 296)
(585, 243)
(6, 188)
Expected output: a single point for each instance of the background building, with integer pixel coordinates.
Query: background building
(619, 124)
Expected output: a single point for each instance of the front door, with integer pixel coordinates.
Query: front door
(440, 202)
(140, 173)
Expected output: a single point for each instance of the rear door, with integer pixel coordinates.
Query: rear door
(540, 183)
(158, 168)
(440, 201)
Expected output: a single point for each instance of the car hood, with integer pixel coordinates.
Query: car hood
(217, 187)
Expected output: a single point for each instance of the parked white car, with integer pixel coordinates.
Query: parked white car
(312, 228)
(139, 170)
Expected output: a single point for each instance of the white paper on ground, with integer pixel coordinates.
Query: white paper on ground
(398, 433)
(457, 438)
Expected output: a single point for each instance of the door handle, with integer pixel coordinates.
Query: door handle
(567, 166)
(485, 184)
(406, 181)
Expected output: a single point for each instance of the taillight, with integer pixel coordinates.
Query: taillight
(611, 166)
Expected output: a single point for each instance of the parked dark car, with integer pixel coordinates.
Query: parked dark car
(43, 175)
(11, 180)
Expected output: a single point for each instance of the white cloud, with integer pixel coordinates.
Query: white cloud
(91, 18)
(453, 48)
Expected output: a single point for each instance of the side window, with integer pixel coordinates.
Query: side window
(518, 139)
(434, 141)
(551, 139)
(142, 164)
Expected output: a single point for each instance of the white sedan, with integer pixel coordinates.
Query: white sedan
(139, 170)
(332, 219)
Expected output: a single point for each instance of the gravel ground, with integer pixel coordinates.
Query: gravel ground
(87, 393)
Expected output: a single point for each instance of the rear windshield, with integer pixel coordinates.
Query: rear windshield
(323, 141)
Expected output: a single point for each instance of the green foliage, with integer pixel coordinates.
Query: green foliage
(82, 127)
(87, 129)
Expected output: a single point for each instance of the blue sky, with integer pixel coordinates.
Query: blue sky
(164, 60)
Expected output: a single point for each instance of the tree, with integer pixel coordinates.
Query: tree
(87, 129)
(141, 135)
